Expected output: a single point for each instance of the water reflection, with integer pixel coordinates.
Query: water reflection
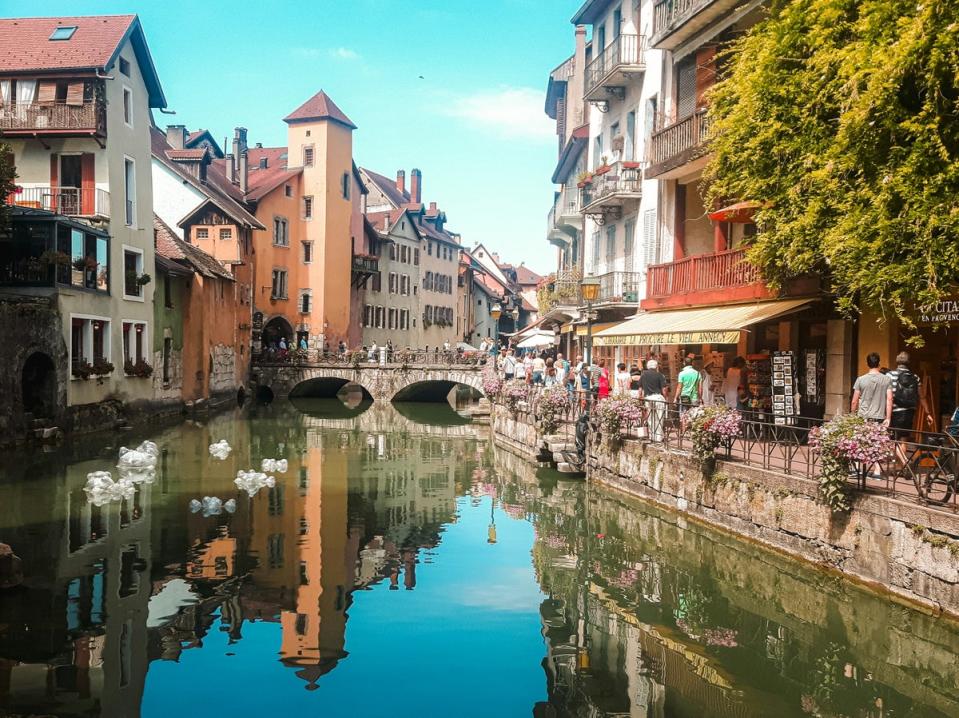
(403, 539)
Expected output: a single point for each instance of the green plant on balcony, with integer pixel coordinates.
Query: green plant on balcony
(52, 256)
(82, 369)
(584, 179)
(139, 369)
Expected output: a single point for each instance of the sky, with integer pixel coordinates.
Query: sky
(455, 88)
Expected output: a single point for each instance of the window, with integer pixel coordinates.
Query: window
(89, 259)
(308, 207)
(167, 291)
(377, 284)
(379, 317)
(391, 323)
(128, 106)
(650, 118)
(405, 284)
(404, 319)
(130, 191)
(596, 250)
(345, 181)
(278, 290)
(306, 301)
(404, 254)
(281, 237)
(89, 340)
(428, 281)
(629, 149)
(610, 243)
(392, 285)
(416, 257)
(124, 67)
(429, 312)
(649, 238)
(630, 231)
(368, 315)
(132, 272)
(429, 248)
(597, 151)
(167, 356)
(307, 252)
(288, 190)
(64, 32)
(226, 234)
(202, 233)
(308, 156)
(134, 342)
(392, 251)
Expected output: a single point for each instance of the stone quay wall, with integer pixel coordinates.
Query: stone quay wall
(903, 548)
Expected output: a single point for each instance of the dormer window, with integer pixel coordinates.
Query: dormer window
(64, 32)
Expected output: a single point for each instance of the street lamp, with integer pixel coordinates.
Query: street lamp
(496, 311)
(590, 289)
(515, 314)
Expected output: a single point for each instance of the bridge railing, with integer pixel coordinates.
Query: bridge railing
(360, 359)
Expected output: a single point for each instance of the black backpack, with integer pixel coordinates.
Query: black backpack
(905, 394)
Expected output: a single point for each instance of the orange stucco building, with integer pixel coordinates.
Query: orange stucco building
(306, 195)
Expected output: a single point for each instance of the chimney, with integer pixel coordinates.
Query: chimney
(432, 206)
(259, 145)
(401, 181)
(244, 172)
(575, 107)
(230, 167)
(386, 222)
(176, 136)
(239, 141)
(416, 186)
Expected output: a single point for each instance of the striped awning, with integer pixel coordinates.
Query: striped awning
(707, 325)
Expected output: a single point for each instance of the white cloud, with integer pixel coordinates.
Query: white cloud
(337, 53)
(510, 112)
(344, 53)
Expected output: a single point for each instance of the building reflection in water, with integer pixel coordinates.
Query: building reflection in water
(643, 615)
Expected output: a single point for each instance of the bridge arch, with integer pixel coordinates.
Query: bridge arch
(428, 390)
(327, 387)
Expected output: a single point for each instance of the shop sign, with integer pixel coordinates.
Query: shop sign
(944, 312)
(730, 336)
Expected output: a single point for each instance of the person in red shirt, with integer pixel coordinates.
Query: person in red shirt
(603, 381)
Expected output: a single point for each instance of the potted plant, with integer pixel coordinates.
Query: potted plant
(82, 369)
(711, 427)
(604, 166)
(617, 416)
(139, 369)
(52, 256)
(584, 179)
(143, 279)
(630, 165)
(101, 368)
(845, 442)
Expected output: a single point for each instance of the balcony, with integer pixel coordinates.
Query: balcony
(619, 288)
(364, 267)
(678, 144)
(708, 278)
(554, 234)
(610, 191)
(564, 218)
(610, 71)
(561, 290)
(54, 118)
(676, 21)
(87, 202)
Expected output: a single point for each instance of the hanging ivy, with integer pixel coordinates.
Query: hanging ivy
(841, 118)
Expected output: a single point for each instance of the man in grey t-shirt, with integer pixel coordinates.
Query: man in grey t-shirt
(872, 393)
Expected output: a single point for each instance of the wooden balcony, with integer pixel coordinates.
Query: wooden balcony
(676, 21)
(676, 145)
(364, 267)
(704, 279)
(611, 191)
(610, 71)
(88, 202)
(54, 118)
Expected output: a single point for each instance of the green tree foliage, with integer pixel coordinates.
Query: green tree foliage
(841, 117)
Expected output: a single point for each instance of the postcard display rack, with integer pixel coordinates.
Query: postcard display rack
(784, 388)
(759, 372)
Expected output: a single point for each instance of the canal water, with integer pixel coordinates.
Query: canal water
(404, 566)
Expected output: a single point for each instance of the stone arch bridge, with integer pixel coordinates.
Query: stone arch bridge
(383, 382)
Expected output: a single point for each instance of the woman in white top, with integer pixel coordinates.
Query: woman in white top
(621, 381)
(734, 379)
(521, 370)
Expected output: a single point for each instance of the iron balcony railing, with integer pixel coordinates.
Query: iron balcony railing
(69, 201)
(721, 270)
(620, 287)
(623, 180)
(672, 141)
(53, 117)
(623, 51)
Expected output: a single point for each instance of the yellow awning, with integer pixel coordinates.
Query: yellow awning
(710, 325)
(581, 328)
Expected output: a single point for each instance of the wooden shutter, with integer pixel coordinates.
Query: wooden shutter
(88, 185)
(650, 244)
(75, 93)
(47, 92)
(685, 88)
(54, 180)
(705, 72)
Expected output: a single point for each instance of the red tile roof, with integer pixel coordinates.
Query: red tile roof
(190, 154)
(319, 107)
(387, 187)
(269, 181)
(525, 275)
(25, 46)
(169, 246)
